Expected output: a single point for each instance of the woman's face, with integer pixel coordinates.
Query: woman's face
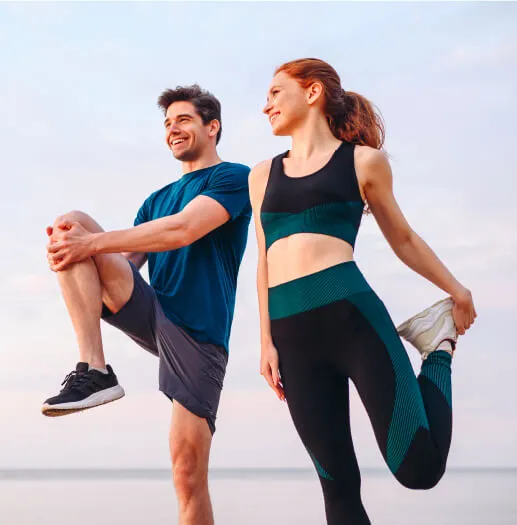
(287, 104)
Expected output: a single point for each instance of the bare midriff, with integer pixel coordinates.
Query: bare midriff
(301, 254)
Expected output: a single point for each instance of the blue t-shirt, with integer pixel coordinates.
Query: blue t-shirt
(196, 284)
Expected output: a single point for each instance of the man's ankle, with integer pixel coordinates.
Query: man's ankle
(100, 367)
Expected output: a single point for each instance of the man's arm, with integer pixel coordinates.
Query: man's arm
(199, 217)
(202, 215)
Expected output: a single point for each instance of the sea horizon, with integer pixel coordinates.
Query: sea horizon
(473, 495)
(42, 473)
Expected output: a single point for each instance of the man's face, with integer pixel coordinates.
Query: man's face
(185, 133)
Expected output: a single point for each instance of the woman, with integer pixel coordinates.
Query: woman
(321, 323)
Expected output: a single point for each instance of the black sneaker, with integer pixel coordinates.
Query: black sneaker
(83, 388)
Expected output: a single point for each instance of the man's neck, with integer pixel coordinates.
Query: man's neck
(204, 161)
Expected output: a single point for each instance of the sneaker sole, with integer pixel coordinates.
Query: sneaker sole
(98, 399)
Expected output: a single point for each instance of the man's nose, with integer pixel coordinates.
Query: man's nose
(173, 130)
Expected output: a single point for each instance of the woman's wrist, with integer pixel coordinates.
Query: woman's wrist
(459, 293)
(266, 339)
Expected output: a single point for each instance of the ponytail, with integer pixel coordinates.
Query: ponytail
(353, 118)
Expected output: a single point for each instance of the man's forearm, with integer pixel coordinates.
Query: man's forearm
(160, 235)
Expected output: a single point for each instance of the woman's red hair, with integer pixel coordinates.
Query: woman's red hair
(351, 117)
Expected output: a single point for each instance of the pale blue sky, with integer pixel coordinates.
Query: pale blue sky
(80, 129)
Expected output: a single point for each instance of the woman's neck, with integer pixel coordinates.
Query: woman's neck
(313, 136)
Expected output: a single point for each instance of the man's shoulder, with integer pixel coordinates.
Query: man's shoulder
(231, 169)
(164, 190)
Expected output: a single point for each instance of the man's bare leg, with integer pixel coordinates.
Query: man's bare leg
(190, 439)
(85, 285)
(82, 291)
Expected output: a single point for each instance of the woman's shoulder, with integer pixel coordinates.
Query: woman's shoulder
(258, 179)
(372, 166)
(366, 156)
(260, 171)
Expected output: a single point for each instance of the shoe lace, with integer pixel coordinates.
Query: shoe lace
(74, 380)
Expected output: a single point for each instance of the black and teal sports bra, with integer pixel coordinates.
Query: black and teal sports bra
(327, 201)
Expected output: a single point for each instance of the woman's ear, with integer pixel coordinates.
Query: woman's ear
(314, 92)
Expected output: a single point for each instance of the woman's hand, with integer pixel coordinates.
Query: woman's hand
(269, 369)
(463, 311)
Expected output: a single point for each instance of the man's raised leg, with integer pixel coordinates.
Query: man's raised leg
(85, 286)
(190, 439)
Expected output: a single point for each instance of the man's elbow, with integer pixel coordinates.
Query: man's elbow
(184, 236)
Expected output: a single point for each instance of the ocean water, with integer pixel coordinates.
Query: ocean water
(249, 497)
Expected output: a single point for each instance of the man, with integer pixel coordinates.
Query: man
(193, 233)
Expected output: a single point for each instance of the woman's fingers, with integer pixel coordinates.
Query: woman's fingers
(271, 375)
(459, 319)
(464, 315)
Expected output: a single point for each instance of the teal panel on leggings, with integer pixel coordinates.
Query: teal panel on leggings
(337, 219)
(321, 471)
(316, 290)
(437, 368)
(408, 411)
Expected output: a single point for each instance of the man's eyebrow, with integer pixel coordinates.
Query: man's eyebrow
(182, 115)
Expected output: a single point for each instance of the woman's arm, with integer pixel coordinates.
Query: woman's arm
(375, 178)
(269, 355)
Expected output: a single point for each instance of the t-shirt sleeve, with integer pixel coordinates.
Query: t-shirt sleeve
(229, 187)
(142, 214)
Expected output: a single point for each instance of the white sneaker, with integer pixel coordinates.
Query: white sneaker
(426, 330)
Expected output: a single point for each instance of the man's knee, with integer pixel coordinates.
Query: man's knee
(188, 466)
(87, 222)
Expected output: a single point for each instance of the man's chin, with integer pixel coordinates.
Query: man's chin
(185, 156)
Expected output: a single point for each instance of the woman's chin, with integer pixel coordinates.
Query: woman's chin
(279, 131)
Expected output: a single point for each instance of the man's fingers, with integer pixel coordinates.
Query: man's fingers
(49, 230)
(65, 225)
(54, 248)
(62, 265)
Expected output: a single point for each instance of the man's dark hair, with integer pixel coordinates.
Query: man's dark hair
(207, 106)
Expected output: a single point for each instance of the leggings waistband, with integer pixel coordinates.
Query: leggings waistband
(316, 290)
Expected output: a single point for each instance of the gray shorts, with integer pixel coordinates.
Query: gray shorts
(189, 371)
